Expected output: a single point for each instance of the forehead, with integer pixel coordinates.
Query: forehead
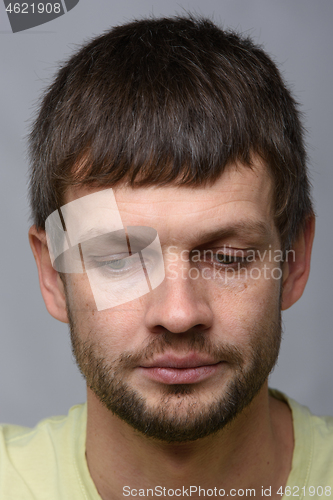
(240, 194)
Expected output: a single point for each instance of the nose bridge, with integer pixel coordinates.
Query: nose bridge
(179, 303)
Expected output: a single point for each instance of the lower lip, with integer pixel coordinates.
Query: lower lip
(180, 375)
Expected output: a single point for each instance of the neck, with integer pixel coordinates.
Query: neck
(253, 451)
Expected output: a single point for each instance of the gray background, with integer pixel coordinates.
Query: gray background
(38, 376)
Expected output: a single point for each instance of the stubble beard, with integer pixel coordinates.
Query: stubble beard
(180, 415)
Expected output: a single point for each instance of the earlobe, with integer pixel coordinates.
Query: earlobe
(49, 280)
(297, 266)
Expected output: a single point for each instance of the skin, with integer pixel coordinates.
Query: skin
(255, 449)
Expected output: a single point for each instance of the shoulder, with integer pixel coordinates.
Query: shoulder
(316, 432)
(14, 437)
(312, 465)
(31, 457)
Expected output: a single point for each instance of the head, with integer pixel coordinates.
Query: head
(199, 138)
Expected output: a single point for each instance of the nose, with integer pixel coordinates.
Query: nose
(178, 305)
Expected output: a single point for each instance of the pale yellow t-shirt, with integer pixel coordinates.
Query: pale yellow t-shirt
(48, 462)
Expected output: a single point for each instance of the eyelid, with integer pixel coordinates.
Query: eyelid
(232, 252)
(236, 258)
(233, 249)
(109, 258)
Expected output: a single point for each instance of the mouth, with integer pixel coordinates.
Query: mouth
(189, 369)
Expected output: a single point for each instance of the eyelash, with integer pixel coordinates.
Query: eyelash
(109, 262)
(233, 261)
(129, 268)
(104, 264)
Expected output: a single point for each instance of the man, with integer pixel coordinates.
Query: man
(172, 224)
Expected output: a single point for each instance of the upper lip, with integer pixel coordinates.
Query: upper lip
(172, 361)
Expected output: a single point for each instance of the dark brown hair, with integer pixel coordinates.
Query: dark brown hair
(168, 101)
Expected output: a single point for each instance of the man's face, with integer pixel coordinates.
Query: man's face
(183, 360)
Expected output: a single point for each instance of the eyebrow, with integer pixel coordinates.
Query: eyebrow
(255, 231)
(97, 232)
(120, 240)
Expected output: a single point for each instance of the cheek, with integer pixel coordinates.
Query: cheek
(113, 329)
(79, 295)
(246, 307)
(116, 329)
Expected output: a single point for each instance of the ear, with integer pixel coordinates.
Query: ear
(49, 280)
(296, 269)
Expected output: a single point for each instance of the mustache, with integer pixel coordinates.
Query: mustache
(198, 343)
